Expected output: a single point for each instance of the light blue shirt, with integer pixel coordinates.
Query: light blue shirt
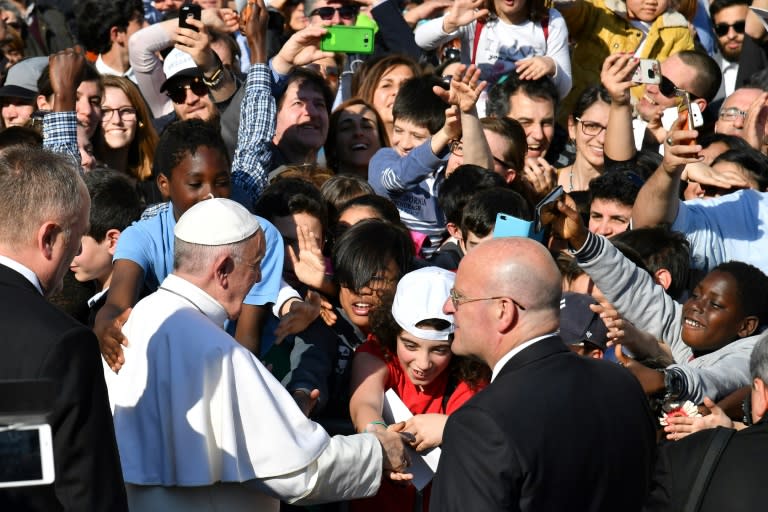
(149, 244)
(730, 227)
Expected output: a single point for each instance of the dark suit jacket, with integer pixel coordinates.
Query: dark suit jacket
(737, 483)
(554, 431)
(38, 341)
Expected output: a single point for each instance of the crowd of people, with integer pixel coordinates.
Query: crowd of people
(236, 254)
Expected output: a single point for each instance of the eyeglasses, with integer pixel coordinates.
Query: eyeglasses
(668, 88)
(590, 127)
(722, 29)
(731, 114)
(346, 12)
(178, 93)
(504, 163)
(124, 113)
(458, 299)
(456, 147)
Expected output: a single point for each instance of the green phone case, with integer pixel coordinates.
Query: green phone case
(344, 39)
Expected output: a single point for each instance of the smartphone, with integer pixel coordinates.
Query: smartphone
(547, 204)
(509, 225)
(648, 71)
(189, 11)
(26, 456)
(344, 39)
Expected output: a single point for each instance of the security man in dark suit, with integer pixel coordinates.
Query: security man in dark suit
(737, 477)
(44, 212)
(553, 430)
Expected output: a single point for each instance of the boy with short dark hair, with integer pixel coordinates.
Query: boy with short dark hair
(115, 205)
(412, 170)
(478, 219)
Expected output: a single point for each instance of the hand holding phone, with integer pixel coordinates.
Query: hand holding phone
(189, 11)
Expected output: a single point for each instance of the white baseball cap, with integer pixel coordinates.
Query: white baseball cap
(420, 296)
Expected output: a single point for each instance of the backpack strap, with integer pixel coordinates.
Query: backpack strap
(478, 30)
(714, 450)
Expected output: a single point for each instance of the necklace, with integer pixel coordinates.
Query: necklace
(570, 179)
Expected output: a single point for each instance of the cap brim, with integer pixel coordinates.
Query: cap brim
(184, 73)
(14, 91)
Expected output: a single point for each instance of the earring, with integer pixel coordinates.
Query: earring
(141, 125)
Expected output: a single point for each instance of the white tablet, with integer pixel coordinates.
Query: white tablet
(26, 455)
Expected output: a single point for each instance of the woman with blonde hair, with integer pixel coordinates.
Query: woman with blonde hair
(128, 139)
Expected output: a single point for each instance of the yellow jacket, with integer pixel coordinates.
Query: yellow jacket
(598, 28)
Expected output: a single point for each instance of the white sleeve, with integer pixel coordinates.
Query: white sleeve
(286, 292)
(429, 35)
(557, 49)
(350, 467)
(147, 66)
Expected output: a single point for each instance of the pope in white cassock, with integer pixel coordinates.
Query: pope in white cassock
(200, 423)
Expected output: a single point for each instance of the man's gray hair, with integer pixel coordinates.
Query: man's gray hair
(37, 186)
(196, 258)
(758, 361)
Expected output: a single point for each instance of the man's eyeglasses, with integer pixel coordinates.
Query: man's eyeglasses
(326, 71)
(590, 128)
(346, 12)
(722, 29)
(668, 88)
(731, 114)
(178, 93)
(124, 113)
(457, 299)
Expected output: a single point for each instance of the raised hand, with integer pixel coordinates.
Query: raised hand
(616, 76)
(539, 177)
(534, 68)
(66, 71)
(463, 12)
(309, 264)
(755, 122)
(197, 43)
(396, 459)
(464, 89)
(425, 10)
(566, 222)
(302, 48)
(253, 23)
(223, 20)
(677, 148)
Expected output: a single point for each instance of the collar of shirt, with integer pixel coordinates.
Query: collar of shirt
(206, 304)
(23, 270)
(93, 300)
(512, 353)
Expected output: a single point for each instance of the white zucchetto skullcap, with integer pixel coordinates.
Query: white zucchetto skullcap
(216, 221)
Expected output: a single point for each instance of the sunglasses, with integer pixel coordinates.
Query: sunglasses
(178, 93)
(346, 12)
(668, 88)
(722, 29)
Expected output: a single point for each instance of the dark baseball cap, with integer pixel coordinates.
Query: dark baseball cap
(578, 323)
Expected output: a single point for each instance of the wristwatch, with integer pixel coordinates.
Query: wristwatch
(674, 382)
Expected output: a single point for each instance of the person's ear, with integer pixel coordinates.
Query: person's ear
(164, 185)
(663, 277)
(759, 399)
(596, 353)
(111, 237)
(115, 34)
(47, 236)
(510, 176)
(506, 315)
(223, 267)
(571, 128)
(453, 230)
(42, 103)
(748, 326)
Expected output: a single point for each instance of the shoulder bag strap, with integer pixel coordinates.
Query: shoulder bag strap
(478, 30)
(714, 451)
